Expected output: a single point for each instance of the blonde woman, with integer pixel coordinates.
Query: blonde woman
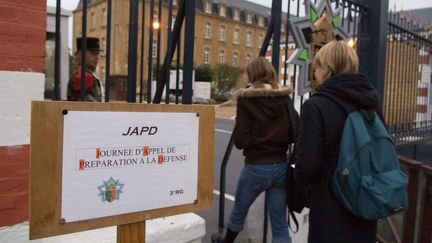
(262, 131)
(321, 124)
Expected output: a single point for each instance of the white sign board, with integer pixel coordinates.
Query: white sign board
(426, 73)
(123, 162)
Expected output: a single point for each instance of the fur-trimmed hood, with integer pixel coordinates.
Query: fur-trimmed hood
(265, 92)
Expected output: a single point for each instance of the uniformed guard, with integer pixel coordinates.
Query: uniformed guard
(93, 86)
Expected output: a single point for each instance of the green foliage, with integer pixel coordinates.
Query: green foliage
(225, 78)
(203, 72)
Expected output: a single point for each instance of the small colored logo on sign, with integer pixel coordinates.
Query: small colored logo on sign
(110, 190)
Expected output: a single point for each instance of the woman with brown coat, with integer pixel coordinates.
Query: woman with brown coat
(262, 131)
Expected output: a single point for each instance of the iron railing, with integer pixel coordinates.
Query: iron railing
(406, 96)
(185, 11)
(412, 226)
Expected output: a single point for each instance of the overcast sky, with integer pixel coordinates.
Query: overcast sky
(400, 4)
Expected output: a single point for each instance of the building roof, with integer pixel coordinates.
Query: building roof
(420, 18)
(422, 14)
(242, 5)
(246, 5)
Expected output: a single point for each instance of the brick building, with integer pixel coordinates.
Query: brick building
(229, 32)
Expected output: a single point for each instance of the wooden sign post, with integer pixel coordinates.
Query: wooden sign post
(131, 233)
(96, 165)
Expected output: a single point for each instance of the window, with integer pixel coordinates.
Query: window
(103, 44)
(92, 21)
(236, 38)
(104, 17)
(261, 21)
(221, 56)
(235, 60)
(222, 33)
(249, 19)
(103, 74)
(208, 7)
(260, 40)
(248, 59)
(236, 14)
(207, 30)
(222, 11)
(283, 26)
(154, 50)
(155, 15)
(248, 38)
(206, 55)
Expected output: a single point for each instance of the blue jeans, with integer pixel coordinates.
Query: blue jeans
(253, 180)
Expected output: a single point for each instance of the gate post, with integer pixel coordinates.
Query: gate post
(372, 43)
(188, 57)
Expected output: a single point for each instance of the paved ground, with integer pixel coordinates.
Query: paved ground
(227, 111)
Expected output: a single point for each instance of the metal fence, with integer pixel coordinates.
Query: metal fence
(142, 70)
(413, 226)
(407, 81)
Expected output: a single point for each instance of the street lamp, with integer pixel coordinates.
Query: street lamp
(156, 25)
(351, 43)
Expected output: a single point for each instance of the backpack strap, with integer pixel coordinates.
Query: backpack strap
(291, 213)
(294, 131)
(293, 116)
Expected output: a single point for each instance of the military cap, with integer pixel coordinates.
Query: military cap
(92, 43)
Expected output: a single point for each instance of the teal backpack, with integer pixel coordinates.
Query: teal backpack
(368, 180)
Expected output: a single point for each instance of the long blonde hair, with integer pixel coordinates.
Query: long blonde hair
(260, 71)
(336, 57)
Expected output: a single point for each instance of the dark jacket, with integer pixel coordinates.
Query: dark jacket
(321, 126)
(262, 127)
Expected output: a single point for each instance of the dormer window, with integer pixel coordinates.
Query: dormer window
(208, 7)
(236, 15)
(249, 18)
(261, 21)
(222, 11)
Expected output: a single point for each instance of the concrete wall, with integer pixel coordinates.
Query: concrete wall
(22, 53)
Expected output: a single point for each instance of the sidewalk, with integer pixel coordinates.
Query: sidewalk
(180, 228)
(226, 111)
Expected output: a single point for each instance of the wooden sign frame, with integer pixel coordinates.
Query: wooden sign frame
(46, 144)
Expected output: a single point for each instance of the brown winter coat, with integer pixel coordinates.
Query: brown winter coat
(262, 127)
